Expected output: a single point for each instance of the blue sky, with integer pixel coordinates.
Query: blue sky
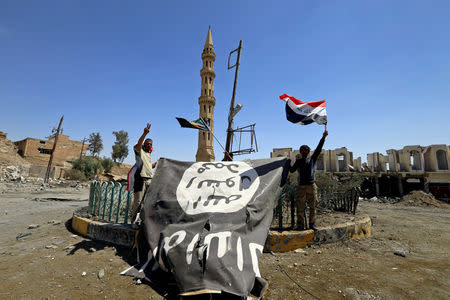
(383, 66)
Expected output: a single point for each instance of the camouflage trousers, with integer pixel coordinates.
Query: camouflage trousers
(306, 194)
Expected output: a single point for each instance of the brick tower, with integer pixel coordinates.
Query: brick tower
(206, 101)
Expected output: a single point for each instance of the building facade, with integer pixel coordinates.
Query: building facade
(398, 172)
(37, 151)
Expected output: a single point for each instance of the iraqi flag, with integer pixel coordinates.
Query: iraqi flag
(305, 113)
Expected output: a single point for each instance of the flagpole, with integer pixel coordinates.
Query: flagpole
(209, 129)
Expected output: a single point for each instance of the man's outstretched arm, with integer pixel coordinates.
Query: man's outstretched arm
(319, 146)
(138, 146)
(294, 167)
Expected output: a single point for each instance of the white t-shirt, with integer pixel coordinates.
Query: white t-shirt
(146, 164)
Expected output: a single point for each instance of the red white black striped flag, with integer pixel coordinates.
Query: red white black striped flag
(305, 113)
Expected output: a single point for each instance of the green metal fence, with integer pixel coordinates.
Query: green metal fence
(110, 201)
(339, 200)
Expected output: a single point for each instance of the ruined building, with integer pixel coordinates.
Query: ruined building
(394, 174)
(37, 153)
(206, 101)
(337, 160)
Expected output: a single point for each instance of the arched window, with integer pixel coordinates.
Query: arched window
(208, 136)
(441, 158)
(209, 108)
(414, 160)
(204, 108)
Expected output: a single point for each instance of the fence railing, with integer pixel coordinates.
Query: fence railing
(285, 213)
(110, 201)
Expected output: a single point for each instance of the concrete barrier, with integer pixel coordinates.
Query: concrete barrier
(119, 234)
(290, 240)
(125, 235)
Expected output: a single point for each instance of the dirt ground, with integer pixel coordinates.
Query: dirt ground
(52, 262)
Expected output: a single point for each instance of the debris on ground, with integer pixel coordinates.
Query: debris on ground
(420, 198)
(400, 253)
(59, 242)
(21, 235)
(390, 200)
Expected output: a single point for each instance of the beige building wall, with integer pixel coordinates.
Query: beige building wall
(357, 164)
(410, 159)
(415, 158)
(37, 151)
(343, 158)
(437, 158)
(281, 152)
(393, 160)
(331, 161)
(377, 162)
(207, 101)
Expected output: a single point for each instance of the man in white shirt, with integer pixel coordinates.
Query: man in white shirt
(144, 174)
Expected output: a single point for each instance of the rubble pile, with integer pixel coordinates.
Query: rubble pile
(420, 198)
(12, 166)
(14, 173)
(8, 154)
(37, 185)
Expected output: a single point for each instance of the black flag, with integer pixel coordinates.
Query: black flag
(206, 222)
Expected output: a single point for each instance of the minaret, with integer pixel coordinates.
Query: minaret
(206, 101)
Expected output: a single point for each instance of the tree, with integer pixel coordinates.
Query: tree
(120, 147)
(88, 165)
(107, 164)
(95, 143)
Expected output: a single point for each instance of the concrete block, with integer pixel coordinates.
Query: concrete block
(288, 240)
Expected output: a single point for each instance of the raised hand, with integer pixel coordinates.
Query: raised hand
(147, 128)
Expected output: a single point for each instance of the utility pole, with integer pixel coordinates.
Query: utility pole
(49, 167)
(233, 110)
(82, 146)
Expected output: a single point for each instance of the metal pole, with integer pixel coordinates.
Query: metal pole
(227, 156)
(49, 167)
(82, 147)
(209, 129)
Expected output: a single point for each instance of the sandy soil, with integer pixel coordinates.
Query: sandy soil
(52, 262)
